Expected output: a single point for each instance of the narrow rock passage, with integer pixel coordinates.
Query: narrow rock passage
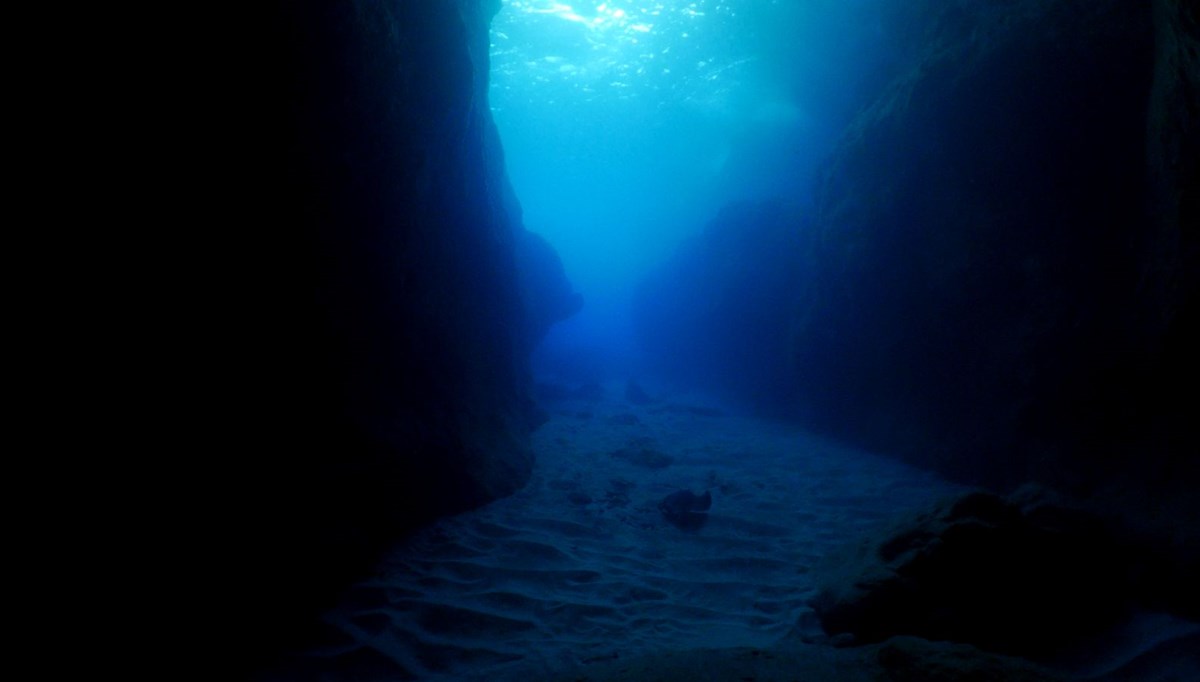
(581, 566)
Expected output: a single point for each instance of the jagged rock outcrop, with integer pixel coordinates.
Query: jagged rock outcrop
(1026, 576)
(546, 292)
(983, 571)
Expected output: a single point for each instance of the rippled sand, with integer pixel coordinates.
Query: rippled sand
(581, 569)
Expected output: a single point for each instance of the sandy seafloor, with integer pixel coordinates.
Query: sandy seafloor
(580, 570)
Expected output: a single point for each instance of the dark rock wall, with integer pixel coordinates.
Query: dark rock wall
(1171, 270)
(978, 236)
(994, 246)
(980, 239)
(545, 290)
(368, 353)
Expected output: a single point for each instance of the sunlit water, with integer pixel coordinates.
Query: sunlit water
(627, 125)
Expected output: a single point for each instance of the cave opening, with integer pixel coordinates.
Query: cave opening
(628, 126)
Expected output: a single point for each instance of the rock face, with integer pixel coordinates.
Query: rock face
(980, 242)
(1025, 576)
(909, 659)
(371, 351)
(545, 291)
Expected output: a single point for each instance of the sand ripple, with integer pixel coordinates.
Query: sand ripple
(581, 567)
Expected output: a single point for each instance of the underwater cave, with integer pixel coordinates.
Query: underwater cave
(722, 340)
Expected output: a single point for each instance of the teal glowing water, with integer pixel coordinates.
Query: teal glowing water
(628, 124)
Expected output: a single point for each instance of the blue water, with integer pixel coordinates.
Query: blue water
(628, 124)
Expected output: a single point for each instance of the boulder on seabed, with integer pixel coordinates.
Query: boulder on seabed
(1022, 576)
(909, 659)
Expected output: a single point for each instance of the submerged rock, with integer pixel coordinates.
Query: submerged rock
(686, 510)
(1016, 578)
(546, 293)
(909, 659)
